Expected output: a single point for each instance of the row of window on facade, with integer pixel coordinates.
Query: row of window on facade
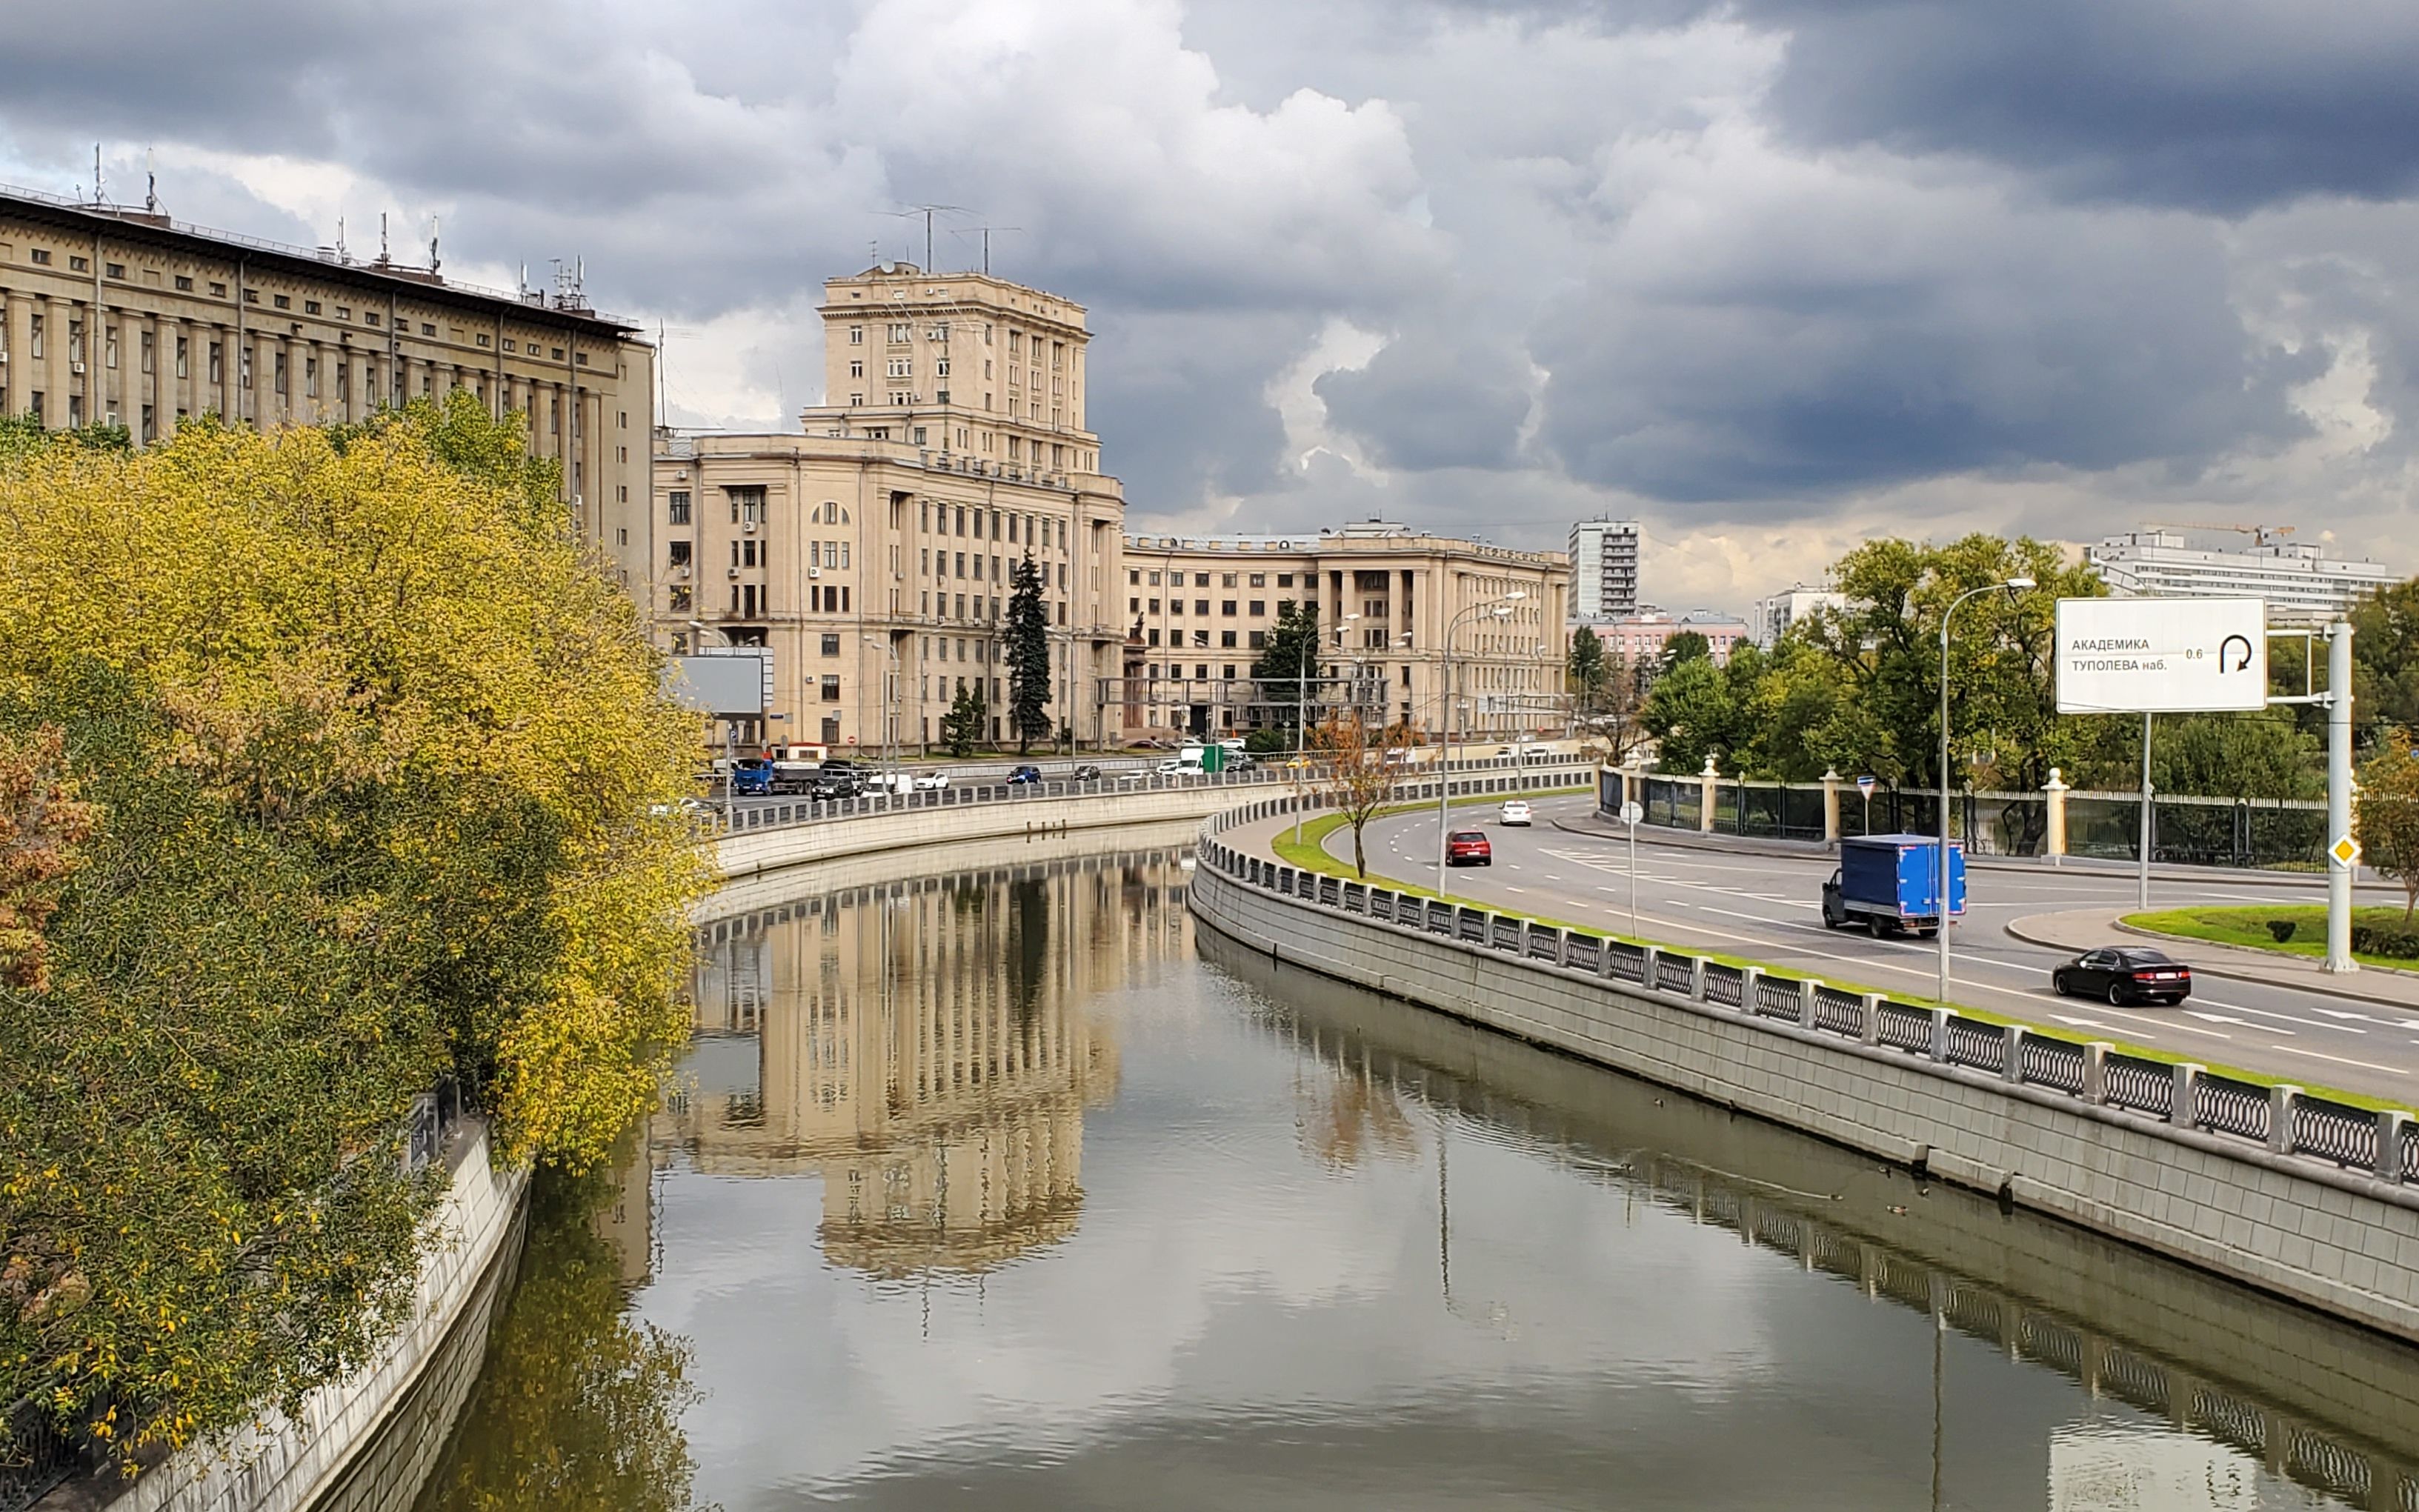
(1225, 579)
(901, 333)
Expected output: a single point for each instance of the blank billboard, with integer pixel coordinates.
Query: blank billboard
(729, 686)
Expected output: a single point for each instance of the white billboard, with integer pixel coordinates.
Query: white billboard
(2162, 655)
(732, 684)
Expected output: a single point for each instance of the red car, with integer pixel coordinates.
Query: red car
(1467, 847)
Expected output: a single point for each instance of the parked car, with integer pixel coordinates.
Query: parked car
(1086, 773)
(931, 781)
(1891, 884)
(1023, 775)
(1515, 812)
(1467, 847)
(2121, 974)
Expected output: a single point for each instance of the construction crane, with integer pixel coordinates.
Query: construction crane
(2260, 534)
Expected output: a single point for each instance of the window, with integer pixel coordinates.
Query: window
(40, 255)
(857, 335)
(680, 557)
(484, 339)
(428, 330)
(345, 312)
(79, 265)
(747, 552)
(34, 333)
(1134, 576)
(184, 348)
(856, 401)
(184, 283)
(1259, 641)
(310, 307)
(284, 301)
(1176, 606)
(901, 332)
(682, 598)
(1201, 580)
(1259, 606)
(109, 346)
(831, 645)
(113, 270)
(146, 351)
(856, 367)
(1226, 579)
(1227, 605)
(1201, 607)
(218, 290)
(1285, 580)
(311, 378)
(679, 502)
(369, 319)
(1154, 605)
(746, 505)
(218, 370)
(1154, 580)
(941, 367)
(902, 367)
(1227, 638)
(831, 688)
(1134, 606)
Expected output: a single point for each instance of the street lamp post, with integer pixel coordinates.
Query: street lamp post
(1941, 900)
(889, 693)
(1500, 608)
(1300, 721)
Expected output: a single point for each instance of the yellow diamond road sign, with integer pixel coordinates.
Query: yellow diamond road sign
(2346, 851)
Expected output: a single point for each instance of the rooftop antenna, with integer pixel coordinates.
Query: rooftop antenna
(926, 212)
(433, 261)
(96, 173)
(150, 185)
(986, 231)
(382, 253)
(341, 254)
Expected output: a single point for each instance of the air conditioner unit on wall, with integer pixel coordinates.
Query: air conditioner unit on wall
(733, 572)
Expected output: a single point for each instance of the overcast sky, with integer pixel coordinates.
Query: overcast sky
(1773, 275)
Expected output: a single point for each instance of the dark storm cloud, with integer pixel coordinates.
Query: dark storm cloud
(1429, 400)
(1188, 413)
(2224, 106)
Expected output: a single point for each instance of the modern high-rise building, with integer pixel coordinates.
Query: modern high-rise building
(1201, 610)
(1604, 569)
(115, 315)
(2302, 584)
(872, 552)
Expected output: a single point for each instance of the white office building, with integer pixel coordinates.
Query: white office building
(2302, 584)
(1604, 569)
(1774, 615)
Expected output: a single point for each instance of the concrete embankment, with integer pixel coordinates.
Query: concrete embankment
(2335, 1239)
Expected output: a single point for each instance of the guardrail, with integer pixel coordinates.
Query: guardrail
(2282, 1118)
(804, 812)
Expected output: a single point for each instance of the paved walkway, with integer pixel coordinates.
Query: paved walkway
(2087, 929)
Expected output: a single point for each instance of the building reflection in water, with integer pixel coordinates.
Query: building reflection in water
(922, 1047)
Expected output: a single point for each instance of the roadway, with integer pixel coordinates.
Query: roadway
(1768, 908)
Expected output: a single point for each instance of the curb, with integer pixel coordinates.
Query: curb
(1818, 850)
(2231, 972)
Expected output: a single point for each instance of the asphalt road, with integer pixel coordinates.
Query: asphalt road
(1768, 908)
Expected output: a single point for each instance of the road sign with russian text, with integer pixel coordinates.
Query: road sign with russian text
(2162, 655)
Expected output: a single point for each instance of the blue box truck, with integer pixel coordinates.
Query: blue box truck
(1892, 885)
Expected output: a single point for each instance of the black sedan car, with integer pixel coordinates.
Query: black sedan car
(2121, 974)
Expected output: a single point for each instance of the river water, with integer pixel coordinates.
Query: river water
(1002, 1189)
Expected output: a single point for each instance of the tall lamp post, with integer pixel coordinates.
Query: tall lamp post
(1302, 719)
(889, 692)
(2012, 585)
(1498, 608)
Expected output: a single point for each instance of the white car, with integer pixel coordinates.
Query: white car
(931, 781)
(1515, 812)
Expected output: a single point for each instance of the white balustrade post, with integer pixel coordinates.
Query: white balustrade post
(1869, 1018)
(2184, 1107)
(2390, 1122)
(1749, 980)
(2281, 1098)
(2013, 1069)
(1806, 1002)
(2095, 1072)
(1940, 1035)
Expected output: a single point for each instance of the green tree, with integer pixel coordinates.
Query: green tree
(2385, 656)
(1693, 712)
(1286, 670)
(1028, 656)
(2388, 816)
(1683, 647)
(1585, 674)
(963, 727)
(1885, 648)
(383, 790)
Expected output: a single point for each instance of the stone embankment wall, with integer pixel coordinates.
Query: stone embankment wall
(285, 1466)
(2338, 1239)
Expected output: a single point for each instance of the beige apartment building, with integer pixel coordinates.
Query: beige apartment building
(870, 554)
(1201, 608)
(112, 315)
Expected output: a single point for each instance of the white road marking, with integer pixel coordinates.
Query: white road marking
(2343, 1060)
(2228, 1018)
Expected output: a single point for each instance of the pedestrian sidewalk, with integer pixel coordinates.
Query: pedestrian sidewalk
(2088, 929)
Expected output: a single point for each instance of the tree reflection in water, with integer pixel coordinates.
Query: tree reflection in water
(579, 1405)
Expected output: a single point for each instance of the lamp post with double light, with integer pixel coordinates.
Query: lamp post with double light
(2013, 585)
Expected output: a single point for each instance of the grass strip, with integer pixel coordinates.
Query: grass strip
(1311, 855)
(2248, 927)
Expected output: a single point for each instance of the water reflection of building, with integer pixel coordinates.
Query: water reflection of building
(923, 1047)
